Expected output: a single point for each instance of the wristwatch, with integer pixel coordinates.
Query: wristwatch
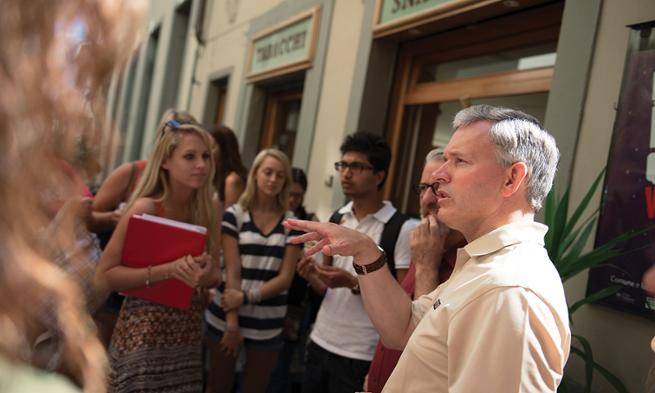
(373, 266)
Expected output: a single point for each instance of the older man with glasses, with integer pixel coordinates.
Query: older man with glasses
(434, 249)
(343, 339)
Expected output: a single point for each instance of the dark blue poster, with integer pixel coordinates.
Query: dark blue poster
(629, 190)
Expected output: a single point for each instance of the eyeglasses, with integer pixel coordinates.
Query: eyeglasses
(421, 187)
(355, 167)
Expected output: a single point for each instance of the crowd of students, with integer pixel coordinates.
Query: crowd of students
(467, 296)
(262, 304)
(254, 289)
(197, 176)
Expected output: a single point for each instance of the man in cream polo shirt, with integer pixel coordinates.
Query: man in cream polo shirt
(500, 323)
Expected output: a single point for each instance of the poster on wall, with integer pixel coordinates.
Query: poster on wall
(629, 190)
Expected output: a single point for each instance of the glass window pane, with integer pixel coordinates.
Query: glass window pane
(511, 60)
(430, 125)
(534, 104)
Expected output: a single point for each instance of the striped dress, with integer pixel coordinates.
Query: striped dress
(261, 257)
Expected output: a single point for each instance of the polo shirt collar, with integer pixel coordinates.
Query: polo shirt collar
(507, 235)
(383, 215)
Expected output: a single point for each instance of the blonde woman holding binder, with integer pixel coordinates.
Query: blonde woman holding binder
(156, 347)
(259, 266)
(108, 207)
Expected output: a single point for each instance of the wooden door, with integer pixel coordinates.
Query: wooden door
(221, 98)
(281, 117)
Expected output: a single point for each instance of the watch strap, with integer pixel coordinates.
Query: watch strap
(371, 267)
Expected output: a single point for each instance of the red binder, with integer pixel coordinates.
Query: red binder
(152, 240)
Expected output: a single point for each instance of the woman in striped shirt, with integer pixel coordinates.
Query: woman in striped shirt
(259, 266)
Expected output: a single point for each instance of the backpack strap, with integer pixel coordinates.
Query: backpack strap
(390, 237)
(336, 217)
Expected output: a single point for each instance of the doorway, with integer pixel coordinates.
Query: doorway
(281, 118)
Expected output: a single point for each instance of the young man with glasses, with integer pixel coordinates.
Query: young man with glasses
(343, 339)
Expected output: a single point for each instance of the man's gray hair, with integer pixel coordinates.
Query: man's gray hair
(518, 137)
(434, 154)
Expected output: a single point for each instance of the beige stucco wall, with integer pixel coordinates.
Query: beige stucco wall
(620, 341)
(333, 107)
(157, 13)
(226, 31)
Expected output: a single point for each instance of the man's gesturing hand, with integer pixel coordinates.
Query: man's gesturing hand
(335, 239)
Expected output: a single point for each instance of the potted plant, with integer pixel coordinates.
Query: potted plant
(565, 243)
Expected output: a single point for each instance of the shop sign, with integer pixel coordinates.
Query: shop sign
(393, 10)
(394, 15)
(284, 48)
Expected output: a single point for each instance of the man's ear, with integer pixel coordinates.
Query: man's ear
(515, 175)
(379, 177)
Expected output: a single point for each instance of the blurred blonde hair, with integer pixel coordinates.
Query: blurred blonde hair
(249, 196)
(56, 57)
(154, 181)
(182, 117)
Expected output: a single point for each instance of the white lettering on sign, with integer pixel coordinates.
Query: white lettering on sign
(281, 47)
(401, 5)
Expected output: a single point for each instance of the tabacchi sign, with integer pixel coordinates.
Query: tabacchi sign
(286, 47)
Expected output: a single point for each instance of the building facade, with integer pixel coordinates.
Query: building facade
(301, 74)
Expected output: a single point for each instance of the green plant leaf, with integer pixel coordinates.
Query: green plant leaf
(611, 378)
(584, 203)
(580, 242)
(597, 256)
(559, 221)
(549, 220)
(571, 267)
(584, 262)
(565, 242)
(602, 294)
(570, 239)
(601, 254)
(555, 219)
(587, 355)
